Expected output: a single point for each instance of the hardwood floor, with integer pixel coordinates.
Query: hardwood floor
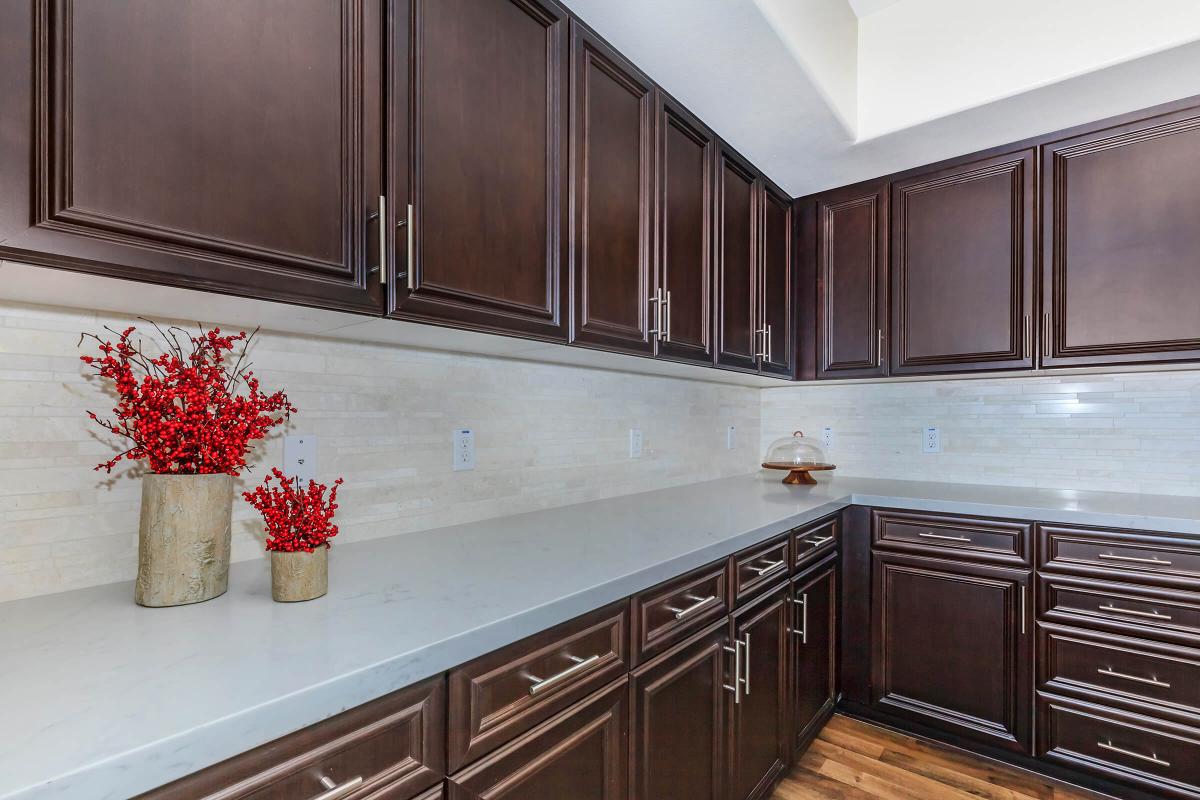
(852, 760)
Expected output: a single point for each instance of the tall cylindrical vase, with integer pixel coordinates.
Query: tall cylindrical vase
(183, 542)
(299, 576)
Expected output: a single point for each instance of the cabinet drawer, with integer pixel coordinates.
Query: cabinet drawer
(1123, 672)
(391, 748)
(1127, 555)
(757, 568)
(991, 540)
(672, 611)
(814, 542)
(505, 693)
(1159, 757)
(1167, 614)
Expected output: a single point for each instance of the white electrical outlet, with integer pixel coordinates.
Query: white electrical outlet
(730, 437)
(464, 449)
(931, 440)
(635, 443)
(827, 438)
(300, 457)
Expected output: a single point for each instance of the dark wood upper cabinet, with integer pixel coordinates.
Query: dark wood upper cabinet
(477, 148)
(814, 643)
(686, 192)
(852, 281)
(224, 147)
(612, 208)
(962, 262)
(679, 721)
(952, 647)
(759, 722)
(737, 304)
(776, 302)
(1120, 275)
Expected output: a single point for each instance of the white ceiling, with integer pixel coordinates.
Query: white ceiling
(821, 93)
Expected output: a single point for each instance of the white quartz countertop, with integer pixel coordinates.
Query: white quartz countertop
(102, 699)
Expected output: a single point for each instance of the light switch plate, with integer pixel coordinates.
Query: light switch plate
(300, 457)
(931, 440)
(464, 449)
(635, 443)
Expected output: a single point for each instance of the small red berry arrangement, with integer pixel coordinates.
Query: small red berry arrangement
(184, 410)
(296, 519)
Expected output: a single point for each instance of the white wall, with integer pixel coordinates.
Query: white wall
(546, 436)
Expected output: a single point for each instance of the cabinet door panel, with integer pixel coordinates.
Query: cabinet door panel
(962, 267)
(679, 721)
(1120, 244)
(975, 619)
(225, 147)
(737, 265)
(775, 290)
(759, 721)
(852, 284)
(479, 136)
(612, 119)
(814, 639)
(686, 165)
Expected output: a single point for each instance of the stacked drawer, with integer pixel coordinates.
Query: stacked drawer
(1119, 665)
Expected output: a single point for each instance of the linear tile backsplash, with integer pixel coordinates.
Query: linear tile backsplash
(546, 435)
(1131, 432)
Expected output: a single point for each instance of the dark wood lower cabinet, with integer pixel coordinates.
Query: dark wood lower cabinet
(759, 724)
(814, 597)
(581, 754)
(953, 647)
(679, 717)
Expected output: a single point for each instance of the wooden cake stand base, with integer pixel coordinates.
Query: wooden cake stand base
(798, 474)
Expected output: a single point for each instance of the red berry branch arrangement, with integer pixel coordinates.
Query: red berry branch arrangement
(186, 411)
(296, 519)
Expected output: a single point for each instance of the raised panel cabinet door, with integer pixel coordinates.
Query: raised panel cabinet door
(227, 146)
(1121, 278)
(953, 647)
(776, 321)
(759, 719)
(814, 651)
(612, 212)
(686, 194)
(852, 282)
(581, 754)
(962, 263)
(679, 721)
(477, 146)
(738, 344)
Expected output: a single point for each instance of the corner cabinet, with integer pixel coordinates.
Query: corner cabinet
(814, 628)
(476, 229)
(233, 152)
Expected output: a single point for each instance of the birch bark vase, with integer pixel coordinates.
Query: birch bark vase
(299, 576)
(183, 541)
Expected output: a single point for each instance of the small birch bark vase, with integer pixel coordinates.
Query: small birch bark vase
(183, 541)
(299, 576)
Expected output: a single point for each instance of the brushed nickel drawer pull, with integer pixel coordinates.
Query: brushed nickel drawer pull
(1024, 613)
(540, 685)
(879, 347)
(762, 349)
(410, 265)
(1152, 758)
(700, 603)
(819, 541)
(803, 632)
(770, 566)
(944, 538)
(1151, 681)
(1113, 557)
(657, 301)
(746, 666)
(667, 327)
(382, 240)
(335, 790)
(737, 671)
(1132, 612)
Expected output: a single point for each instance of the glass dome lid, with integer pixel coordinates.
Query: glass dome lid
(796, 450)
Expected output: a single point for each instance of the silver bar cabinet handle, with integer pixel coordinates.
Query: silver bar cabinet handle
(335, 790)
(761, 349)
(1152, 758)
(1046, 334)
(770, 346)
(802, 601)
(770, 566)
(1132, 612)
(737, 671)
(819, 541)
(1024, 591)
(1135, 560)
(944, 538)
(667, 326)
(879, 348)
(746, 665)
(541, 685)
(1028, 336)
(410, 265)
(1151, 681)
(656, 302)
(382, 240)
(700, 603)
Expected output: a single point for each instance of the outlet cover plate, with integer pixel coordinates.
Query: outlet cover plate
(300, 457)
(464, 449)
